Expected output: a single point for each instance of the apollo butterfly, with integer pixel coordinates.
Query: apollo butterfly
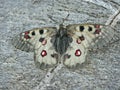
(68, 44)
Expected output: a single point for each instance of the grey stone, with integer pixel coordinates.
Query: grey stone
(17, 69)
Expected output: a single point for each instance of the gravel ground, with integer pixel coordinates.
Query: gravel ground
(17, 68)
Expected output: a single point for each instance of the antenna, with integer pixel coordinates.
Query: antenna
(63, 19)
(66, 18)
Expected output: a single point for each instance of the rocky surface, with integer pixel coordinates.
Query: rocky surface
(17, 69)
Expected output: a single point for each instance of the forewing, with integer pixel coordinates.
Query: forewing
(29, 40)
(93, 34)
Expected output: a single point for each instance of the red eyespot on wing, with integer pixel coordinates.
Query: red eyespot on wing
(67, 56)
(97, 31)
(97, 26)
(81, 38)
(77, 52)
(44, 42)
(26, 36)
(78, 41)
(26, 33)
(43, 53)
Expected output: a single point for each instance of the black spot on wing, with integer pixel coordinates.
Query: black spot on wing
(81, 28)
(41, 31)
(89, 28)
(41, 39)
(33, 33)
(82, 38)
(54, 56)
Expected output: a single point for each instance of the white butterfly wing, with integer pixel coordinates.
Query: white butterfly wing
(75, 54)
(39, 41)
(46, 56)
(85, 36)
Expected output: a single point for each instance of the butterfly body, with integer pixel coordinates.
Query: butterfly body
(61, 40)
(67, 44)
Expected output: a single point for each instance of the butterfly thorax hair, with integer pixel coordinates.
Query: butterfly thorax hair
(61, 40)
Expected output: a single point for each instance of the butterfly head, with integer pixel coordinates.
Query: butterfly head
(62, 30)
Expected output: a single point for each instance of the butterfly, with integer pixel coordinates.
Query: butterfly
(67, 44)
